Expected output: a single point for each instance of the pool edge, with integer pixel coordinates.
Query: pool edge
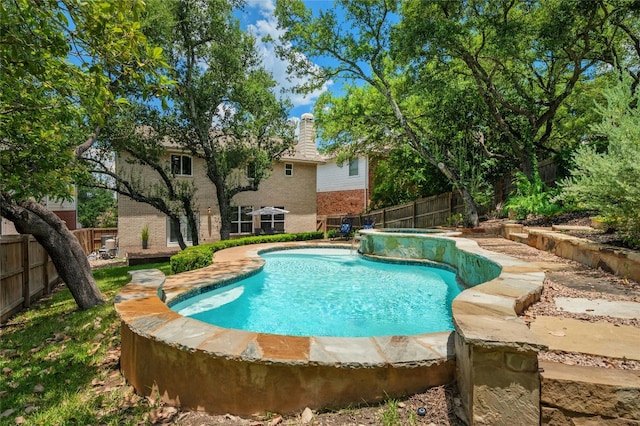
(186, 362)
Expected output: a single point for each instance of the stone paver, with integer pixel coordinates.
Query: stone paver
(602, 307)
(594, 338)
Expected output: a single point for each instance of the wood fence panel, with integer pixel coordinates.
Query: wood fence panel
(432, 211)
(423, 213)
(85, 238)
(11, 274)
(26, 272)
(91, 238)
(38, 259)
(399, 216)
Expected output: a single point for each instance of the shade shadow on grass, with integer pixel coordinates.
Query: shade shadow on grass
(52, 356)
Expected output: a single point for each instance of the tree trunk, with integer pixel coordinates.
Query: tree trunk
(30, 217)
(225, 218)
(471, 212)
(175, 222)
(192, 225)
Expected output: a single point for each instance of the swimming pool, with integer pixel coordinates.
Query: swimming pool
(200, 366)
(331, 292)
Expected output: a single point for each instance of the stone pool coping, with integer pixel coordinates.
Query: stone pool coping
(156, 341)
(159, 322)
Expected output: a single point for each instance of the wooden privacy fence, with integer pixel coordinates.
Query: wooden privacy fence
(422, 213)
(26, 273)
(91, 238)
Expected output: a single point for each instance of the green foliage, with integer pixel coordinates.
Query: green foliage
(72, 354)
(607, 182)
(333, 233)
(530, 197)
(413, 177)
(200, 256)
(96, 208)
(390, 414)
(62, 68)
(455, 220)
(144, 233)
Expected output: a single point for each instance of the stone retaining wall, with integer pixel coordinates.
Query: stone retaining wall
(615, 260)
(496, 353)
(577, 395)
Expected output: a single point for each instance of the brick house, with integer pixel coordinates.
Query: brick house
(291, 185)
(344, 188)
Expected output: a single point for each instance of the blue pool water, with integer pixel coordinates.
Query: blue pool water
(330, 292)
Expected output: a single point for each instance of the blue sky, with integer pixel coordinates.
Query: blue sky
(257, 17)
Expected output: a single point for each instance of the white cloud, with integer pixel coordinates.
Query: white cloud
(268, 26)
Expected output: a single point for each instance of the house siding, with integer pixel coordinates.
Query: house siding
(341, 194)
(295, 193)
(333, 177)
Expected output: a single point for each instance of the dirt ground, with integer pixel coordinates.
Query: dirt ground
(442, 403)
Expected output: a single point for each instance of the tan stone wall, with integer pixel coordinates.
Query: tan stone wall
(341, 202)
(295, 193)
(573, 394)
(132, 215)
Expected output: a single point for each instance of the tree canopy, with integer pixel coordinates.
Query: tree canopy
(224, 107)
(66, 66)
(607, 181)
(477, 88)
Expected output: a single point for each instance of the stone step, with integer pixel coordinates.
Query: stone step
(561, 228)
(595, 395)
(519, 237)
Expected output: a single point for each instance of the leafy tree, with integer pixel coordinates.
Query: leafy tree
(607, 182)
(224, 107)
(526, 58)
(93, 203)
(390, 109)
(65, 67)
(412, 178)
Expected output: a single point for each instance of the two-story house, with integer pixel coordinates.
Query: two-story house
(290, 186)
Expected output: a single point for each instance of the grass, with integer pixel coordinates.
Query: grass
(60, 365)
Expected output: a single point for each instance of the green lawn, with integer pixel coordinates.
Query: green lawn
(60, 365)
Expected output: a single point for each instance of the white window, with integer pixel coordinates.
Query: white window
(353, 167)
(181, 165)
(288, 169)
(241, 220)
(251, 172)
(172, 238)
(272, 223)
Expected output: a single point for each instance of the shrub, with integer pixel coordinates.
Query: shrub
(607, 182)
(200, 256)
(531, 197)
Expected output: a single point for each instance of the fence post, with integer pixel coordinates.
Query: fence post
(450, 203)
(413, 214)
(26, 296)
(45, 273)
